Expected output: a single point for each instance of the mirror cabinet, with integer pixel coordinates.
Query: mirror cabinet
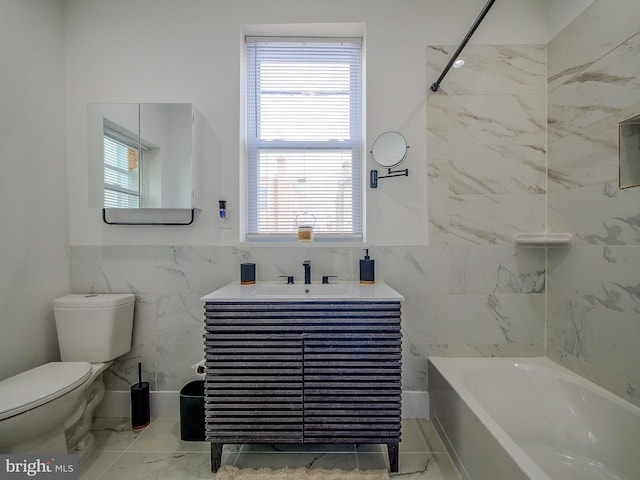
(144, 162)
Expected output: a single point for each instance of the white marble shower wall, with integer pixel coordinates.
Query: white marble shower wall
(487, 158)
(594, 288)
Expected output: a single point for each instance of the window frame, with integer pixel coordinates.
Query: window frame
(355, 144)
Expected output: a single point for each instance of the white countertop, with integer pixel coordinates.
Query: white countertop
(281, 292)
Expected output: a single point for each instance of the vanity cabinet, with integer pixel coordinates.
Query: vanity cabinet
(303, 372)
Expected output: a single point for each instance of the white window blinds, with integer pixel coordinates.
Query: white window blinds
(122, 166)
(304, 137)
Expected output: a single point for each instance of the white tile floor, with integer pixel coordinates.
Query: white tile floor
(158, 453)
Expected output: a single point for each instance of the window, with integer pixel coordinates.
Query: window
(122, 171)
(304, 137)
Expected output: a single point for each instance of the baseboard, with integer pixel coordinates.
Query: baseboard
(415, 404)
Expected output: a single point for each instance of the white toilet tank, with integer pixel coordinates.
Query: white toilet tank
(94, 327)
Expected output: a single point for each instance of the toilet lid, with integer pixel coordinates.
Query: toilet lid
(94, 300)
(40, 385)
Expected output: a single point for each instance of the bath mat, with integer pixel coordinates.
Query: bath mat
(228, 472)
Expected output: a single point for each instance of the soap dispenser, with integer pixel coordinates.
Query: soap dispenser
(367, 269)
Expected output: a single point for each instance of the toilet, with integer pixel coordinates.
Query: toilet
(49, 409)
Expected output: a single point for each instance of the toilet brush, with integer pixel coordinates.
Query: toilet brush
(140, 412)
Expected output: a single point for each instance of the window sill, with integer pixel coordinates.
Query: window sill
(296, 244)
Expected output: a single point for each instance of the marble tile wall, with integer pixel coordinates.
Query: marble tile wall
(486, 133)
(169, 282)
(469, 292)
(593, 311)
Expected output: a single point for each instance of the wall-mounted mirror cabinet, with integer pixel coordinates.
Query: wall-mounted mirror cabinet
(144, 162)
(629, 152)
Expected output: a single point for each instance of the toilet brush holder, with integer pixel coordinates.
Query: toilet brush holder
(140, 411)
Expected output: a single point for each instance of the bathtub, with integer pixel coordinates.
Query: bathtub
(530, 418)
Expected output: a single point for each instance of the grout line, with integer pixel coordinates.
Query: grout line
(128, 449)
(99, 451)
(110, 465)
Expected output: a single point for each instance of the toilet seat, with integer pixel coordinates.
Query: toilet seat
(40, 385)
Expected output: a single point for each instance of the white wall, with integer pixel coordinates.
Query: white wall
(189, 51)
(33, 182)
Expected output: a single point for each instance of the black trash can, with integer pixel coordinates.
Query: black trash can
(192, 411)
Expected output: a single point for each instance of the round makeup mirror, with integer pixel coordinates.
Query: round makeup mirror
(389, 149)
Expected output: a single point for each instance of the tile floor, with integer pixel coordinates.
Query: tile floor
(158, 453)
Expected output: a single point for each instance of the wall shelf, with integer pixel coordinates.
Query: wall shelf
(148, 216)
(543, 239)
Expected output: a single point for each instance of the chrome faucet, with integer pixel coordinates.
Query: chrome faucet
(307, 272)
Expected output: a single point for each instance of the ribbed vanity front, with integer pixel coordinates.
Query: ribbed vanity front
(303, 372)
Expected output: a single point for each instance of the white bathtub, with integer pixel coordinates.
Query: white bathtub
(529, 418)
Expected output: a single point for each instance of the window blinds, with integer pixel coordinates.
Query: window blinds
(121, 172)
(304, 137)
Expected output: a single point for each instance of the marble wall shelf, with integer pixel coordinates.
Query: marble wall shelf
(544, 239)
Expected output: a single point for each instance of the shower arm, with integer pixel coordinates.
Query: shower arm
(436, 85)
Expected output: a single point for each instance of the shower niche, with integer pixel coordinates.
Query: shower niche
(629, 152)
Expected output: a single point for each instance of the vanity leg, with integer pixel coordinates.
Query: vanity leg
(216, 456)
(393, 456)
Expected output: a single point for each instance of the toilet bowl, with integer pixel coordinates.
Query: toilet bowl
(36, 401)
(49, 409)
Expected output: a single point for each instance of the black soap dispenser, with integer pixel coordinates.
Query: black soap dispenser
(367, 269)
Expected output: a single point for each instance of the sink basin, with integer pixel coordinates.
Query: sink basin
(282, 292)
(287, 290)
